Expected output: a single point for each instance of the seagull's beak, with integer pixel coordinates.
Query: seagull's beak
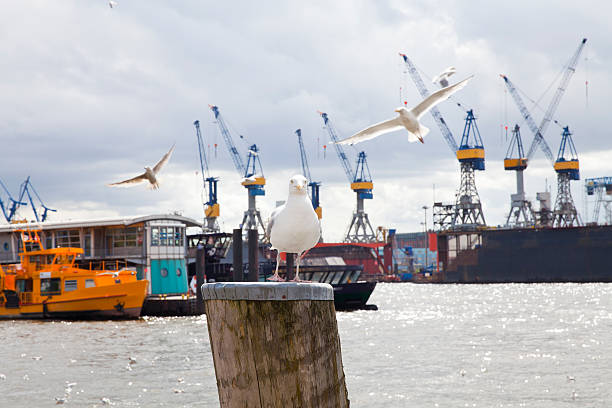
(298, 187)
(397, 110)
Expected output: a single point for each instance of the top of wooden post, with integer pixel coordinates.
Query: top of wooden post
(267, 291)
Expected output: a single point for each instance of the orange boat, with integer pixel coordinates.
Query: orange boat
(47, 284)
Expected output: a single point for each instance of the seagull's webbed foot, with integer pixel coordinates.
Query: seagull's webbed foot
(276, 278)
(297, 279)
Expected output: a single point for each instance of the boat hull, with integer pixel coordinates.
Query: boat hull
(579, 254)
(120, 301)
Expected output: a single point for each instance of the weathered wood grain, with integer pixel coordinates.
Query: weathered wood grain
(276, 353)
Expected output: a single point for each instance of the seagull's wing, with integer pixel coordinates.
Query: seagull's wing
(128, 182)
(437, 97)
(163, 160)
(272, 219)
(371, 132)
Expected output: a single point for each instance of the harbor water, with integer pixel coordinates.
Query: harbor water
(507, 345)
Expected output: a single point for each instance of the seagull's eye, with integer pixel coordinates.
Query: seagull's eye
(291, 181)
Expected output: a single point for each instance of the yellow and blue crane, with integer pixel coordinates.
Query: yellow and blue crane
(359, 229)
(564, 213)
(467, 211)
(597, 186)
(252, 174)
(211, 207)
(521, 214)
(314, 185)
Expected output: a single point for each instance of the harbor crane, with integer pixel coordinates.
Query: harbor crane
(28, 189)
(597, 186)
(314, 185)
(467, 211)
(211, 207)
(521, 214)
(360, 229)
(566, 170)
(11, 206)
(252, 179)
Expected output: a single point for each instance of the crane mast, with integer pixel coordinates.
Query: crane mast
(360, 229)
(211, 207)
(521, 213)
(253, 181)
(314, 185)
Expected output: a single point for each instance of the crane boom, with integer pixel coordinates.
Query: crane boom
(537, 132)
(346, 165)
(305, 168)
(567, 75)
(202, 151)
(435, 112)
(238, 163)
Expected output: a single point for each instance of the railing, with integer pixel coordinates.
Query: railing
(104, 265)
(26, 297)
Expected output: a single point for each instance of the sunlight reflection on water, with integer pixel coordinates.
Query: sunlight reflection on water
(427, 346)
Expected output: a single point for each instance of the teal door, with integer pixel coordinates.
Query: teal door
(168, 276)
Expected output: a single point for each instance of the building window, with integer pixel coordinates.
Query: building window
(70, 285)
(125, 237)
(68, 239)
(166, 236)
(155, 236)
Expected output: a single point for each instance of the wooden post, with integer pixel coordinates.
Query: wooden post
(275, 344)
(253, 236)
(237, 248)
(200, 272)
(290, 269)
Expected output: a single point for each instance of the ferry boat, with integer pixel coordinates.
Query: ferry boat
(47, 284)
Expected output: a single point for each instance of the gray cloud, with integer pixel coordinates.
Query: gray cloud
(90, 94)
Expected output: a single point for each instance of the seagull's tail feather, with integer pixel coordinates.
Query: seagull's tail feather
(418, 136)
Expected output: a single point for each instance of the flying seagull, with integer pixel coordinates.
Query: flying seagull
(149, 175)
(442, 78)
(112, 3)
(294, 226)
(407, 119)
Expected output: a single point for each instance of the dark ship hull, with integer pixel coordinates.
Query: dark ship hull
(578, 254)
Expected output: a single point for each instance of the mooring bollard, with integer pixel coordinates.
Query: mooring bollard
(275, 344)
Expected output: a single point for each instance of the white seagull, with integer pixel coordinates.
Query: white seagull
(294, 226)
(149, 175)
(442, 78)
(407, 119)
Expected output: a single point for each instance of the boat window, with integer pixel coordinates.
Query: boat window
(90, 283)
(70, 285)
(24, 285)
(336, 278)
(49, 259)
(50, 286)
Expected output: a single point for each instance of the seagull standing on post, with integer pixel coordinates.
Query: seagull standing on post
(407, 119)
(294, 226)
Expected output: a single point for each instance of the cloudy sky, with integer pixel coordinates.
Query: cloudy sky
(90, 95)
